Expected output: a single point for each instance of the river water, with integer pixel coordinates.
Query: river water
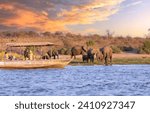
(96, 80)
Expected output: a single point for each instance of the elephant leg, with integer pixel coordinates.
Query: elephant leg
(82, 59)
(87, 60)
(54, 56)
(110, 59)
(97, 59)
(92, 60)
(106, 60)
(102, 60)
(71, 56)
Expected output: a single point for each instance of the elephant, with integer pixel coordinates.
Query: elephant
(99, 56)
(106, 51)
(53, 53)
(90, 55)
(84, 58)
(77, 50)
(45, 57)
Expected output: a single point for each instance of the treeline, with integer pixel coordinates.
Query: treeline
(68, 40)
(10, 34)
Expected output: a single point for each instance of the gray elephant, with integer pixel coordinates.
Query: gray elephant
(99, 56)
(77, 50)
(85, 58)
(45, 57)
(105, 53)
(90, 55)
(53, 53)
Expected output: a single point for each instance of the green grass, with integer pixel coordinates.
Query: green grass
(115, 61)
(132, 61)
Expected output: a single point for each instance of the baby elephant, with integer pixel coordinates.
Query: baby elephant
(88, 56)
(84, 58)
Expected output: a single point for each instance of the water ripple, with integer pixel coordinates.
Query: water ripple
(117, 80)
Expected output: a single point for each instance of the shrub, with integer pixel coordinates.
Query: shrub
(145, 48)
(116, 49)
(126, 48)
(90, 43)
(68, 52)
(62, 51)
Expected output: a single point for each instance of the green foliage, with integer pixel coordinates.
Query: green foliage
(62, 51)
(145, 48)
(90, 43)
(116, 49)
(68, 52)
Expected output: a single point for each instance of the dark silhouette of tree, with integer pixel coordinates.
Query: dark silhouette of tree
(109, 34)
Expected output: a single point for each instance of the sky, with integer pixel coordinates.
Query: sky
(123, 17)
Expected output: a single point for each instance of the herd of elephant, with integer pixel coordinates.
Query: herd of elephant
(103, 54)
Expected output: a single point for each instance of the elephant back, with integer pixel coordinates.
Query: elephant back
(76, 50)
(106, 50)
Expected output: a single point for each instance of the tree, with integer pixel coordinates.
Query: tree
(109, 34)
(149, 33)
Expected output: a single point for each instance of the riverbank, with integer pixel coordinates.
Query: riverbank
(123, 58)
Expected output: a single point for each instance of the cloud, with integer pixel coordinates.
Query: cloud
(55, 15)
(26, 18)
(134, 3)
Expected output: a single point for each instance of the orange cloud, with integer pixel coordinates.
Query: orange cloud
(97, 10)
(6, 6)
(25, 17)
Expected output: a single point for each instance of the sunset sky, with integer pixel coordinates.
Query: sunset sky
(124, 17)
